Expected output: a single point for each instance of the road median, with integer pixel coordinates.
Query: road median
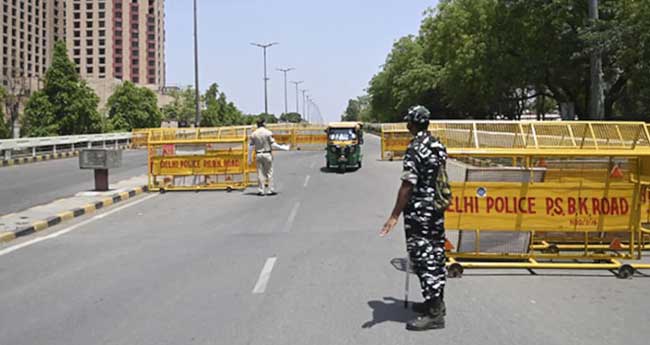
(41, 217)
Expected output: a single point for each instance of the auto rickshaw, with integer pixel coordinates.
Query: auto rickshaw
(344, 140)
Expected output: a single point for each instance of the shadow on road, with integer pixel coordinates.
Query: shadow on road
(256, 194)
(400, 264)
(326, 170)
(389, 309)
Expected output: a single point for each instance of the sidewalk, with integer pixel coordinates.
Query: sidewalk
(41, 217)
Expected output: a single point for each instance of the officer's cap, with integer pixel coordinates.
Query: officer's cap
(418, 115)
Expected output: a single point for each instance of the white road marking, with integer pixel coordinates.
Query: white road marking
(265, 275)
(311, 166)
(292, 216)
(306, 181)
(68, 229)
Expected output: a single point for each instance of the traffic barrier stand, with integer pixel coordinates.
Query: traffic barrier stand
(197, 159)
(581, 209)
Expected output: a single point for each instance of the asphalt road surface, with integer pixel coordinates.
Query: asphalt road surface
(304, 267)
(24, 186)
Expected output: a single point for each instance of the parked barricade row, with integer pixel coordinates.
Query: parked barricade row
(531, 195)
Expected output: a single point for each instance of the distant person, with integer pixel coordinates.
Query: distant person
(419, 198)
(262, 142)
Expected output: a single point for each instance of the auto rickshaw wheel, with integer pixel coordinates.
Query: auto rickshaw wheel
(342, 168)
(455, 270)
(625, 272)
(359, 165)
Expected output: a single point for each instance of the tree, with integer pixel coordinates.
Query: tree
(182, 108)
(405, 80)
(39, 119)
(133, 107)
(4, 130)
(65, 104)
(489, 58)
(16, 93)
(291, 117)
(357, 109)
(352, 111)
(218, 110)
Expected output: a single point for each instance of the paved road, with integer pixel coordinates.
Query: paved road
(181, 268)
(24, 186)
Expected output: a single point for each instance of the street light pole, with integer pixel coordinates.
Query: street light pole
(308, 115)
(297, 102)
(197, 94)
(266, 79)
(285, 70)
(304, 97)
(596, 105)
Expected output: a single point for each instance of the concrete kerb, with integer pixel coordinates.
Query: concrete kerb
(40, 225)
(47, 157)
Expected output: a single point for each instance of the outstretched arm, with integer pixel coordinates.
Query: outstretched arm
(403, 196)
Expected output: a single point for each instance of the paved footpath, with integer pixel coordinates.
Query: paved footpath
(303, 267)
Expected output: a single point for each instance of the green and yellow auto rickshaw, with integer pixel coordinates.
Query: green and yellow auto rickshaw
(344, 141)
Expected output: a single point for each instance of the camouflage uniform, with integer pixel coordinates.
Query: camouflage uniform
(425, 227)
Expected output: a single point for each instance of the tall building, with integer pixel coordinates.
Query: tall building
(112, 40)
(109, 40)
(29, 30)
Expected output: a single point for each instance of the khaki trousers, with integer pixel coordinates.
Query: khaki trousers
(265, 171)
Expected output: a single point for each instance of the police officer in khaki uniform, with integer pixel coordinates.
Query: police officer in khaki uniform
(262, 142)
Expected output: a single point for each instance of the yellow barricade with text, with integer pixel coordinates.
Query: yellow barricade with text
(565, 207)
(191, 159)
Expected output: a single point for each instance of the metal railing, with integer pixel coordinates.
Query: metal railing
(25, 147)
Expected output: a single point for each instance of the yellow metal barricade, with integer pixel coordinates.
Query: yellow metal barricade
(543, 195)
(194, 159)
(310, 138)
(139, 138)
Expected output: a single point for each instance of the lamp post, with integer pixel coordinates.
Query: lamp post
(297, 102)
(304, 98)
(266, 79)
(197, 95)
(285, 70)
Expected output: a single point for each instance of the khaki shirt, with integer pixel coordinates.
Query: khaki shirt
(262, 140)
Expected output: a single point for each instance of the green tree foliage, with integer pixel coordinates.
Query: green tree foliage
(39, 119)
(357, 110)
(291, 117)
(218, 110)
(65, 105)
(483, 58)
(182, 107)
(352, 111)
(133, 107)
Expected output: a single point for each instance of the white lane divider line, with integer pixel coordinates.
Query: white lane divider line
(311, 166)
(265, 275)
(292, 216)
(68, 229)
(306, 181)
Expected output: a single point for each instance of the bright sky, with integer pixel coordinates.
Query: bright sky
(336, 46)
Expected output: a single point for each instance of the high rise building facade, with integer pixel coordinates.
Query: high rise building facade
(117, 40)
(29, 30)
(109, 40)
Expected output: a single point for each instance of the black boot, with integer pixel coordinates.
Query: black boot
(422, 308)
(434, 318)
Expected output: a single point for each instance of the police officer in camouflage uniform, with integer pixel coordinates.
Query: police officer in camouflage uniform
(424, 226)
